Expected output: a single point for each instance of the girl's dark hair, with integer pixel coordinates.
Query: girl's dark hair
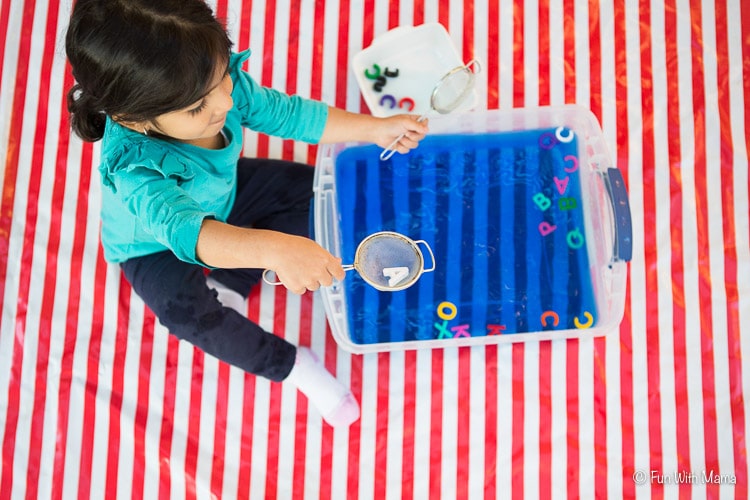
(138, 59)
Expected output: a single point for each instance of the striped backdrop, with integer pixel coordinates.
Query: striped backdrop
(98, 401)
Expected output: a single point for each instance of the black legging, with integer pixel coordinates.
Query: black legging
(271, 194)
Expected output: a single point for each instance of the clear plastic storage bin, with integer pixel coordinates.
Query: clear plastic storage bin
(527, 217)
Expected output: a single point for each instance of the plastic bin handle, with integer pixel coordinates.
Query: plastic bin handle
(621, 207)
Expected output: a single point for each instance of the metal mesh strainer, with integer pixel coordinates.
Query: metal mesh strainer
(388, 261)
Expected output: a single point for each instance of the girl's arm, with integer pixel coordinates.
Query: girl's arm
(300, 263)
(343, 126)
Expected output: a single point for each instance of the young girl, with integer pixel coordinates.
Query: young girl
(156, 81)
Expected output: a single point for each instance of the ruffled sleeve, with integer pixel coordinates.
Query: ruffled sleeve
(147, 180)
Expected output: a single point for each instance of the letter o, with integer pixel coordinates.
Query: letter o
(564, 138)
(451, 308)
(547, 140)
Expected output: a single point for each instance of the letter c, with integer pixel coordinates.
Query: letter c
(550, 314)
(587, 324)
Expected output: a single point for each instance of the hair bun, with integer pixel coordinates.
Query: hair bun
(87, 122)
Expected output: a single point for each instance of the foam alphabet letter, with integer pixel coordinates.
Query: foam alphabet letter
(406, 103)
(443, 332)
(564, 135)
(547, 140)
(542, 201)
(379, 83)
(388, 98)
(395, 275)
(587, 324)
(545, 228)
(567, 203)
(452, 311)
(375, 72)
(550, 314)
(562, 184)
(461, 331)
(575, 239)
(495, 329)
(574, 159)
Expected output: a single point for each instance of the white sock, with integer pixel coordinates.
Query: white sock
(227, 296)
(333, 400)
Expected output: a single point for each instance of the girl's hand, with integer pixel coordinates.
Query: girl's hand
(388, 129)
(304, 265)
(343, 126)
(300, 263)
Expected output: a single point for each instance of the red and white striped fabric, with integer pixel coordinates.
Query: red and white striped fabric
(98, 401)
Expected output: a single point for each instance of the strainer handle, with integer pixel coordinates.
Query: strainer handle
(432, 256)
(347, 267)
(474, 66)
(267, 280)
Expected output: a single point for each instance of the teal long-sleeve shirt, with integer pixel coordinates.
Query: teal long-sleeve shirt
(156, 193)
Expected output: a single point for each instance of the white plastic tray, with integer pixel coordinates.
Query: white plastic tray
(421, 54)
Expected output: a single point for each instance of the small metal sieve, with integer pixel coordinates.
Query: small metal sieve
(387, 260)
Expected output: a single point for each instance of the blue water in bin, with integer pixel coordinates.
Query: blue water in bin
(478, 201)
